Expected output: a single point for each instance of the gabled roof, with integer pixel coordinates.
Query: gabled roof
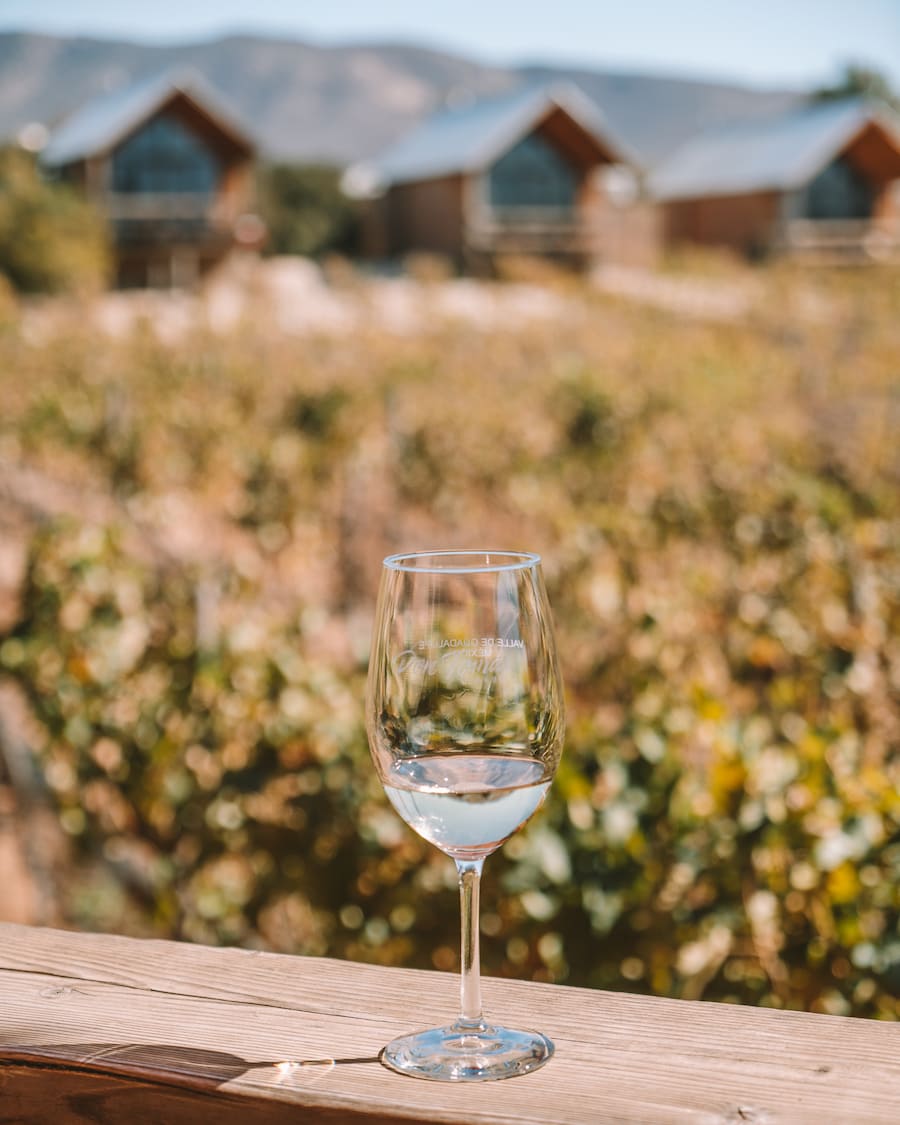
(778, 154)
(100, 124)
(470, 138)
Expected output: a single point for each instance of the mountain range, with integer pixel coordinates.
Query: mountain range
(337, 104)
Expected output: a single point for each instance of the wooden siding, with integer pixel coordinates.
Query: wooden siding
(426, 215)
(746, 223)
(887, 205)
(630, 235)
(873, 154)
(879, 162)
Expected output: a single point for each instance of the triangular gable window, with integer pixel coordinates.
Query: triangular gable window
(532, 175)
(162, 157)
(838, 192)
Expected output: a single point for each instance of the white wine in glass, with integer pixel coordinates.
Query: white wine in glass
(465, 719)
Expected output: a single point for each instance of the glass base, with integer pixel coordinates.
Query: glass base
(467, 1053)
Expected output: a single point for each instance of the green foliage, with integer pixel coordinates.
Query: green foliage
(719, 511)
(216, 772)
(305, 211)
(50, 240)
(860, 81)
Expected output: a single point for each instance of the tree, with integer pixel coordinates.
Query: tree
(305, 210)
(51, 240)
(859, 80)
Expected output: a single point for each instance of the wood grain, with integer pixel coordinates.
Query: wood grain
(103, 1029)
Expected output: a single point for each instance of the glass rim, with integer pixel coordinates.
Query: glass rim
(412, 562)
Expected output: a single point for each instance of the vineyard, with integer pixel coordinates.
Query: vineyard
(192, 526)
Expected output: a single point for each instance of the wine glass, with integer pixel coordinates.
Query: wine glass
(465, 719)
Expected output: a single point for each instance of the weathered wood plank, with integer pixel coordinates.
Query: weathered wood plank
(98, 1028)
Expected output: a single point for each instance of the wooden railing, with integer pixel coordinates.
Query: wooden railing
(162, 217)
(842, 240)
(152, 206)
(110, 1029)
(563, 236)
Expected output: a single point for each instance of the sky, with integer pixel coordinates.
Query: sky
(786, 43)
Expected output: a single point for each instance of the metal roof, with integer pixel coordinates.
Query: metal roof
(776, 154)
(471, 137)
(103, 122)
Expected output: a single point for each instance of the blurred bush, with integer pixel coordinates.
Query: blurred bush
(210, 772)
(718, 506)
(51, 240)
(305, 210)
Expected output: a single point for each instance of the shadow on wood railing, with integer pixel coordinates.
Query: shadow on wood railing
(163, 1060)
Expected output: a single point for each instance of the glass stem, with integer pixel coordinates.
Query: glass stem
(470, 981)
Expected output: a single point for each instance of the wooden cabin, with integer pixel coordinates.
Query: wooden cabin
(821, 182)
(170, 168)
(518, 175)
